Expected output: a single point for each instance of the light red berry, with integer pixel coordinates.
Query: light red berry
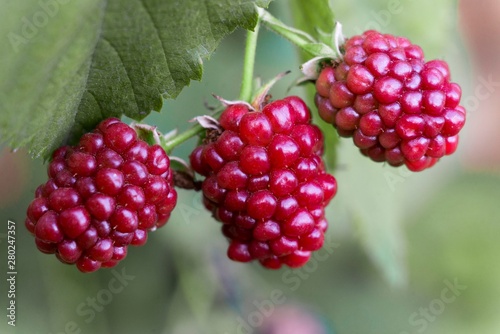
(396, 107)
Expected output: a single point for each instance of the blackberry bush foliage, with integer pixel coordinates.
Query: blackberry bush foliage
(264, 177)
(104, 194)
(266, 182)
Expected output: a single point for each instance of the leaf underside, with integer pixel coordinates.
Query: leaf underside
(69, 64)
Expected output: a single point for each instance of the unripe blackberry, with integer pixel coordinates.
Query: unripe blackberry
(102, 195)
(396, 107)
(266, 182)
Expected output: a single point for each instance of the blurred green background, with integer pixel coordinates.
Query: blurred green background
(406, 253)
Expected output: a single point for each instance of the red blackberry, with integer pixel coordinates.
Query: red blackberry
(396, 107)
(102, 195)
(266, 182)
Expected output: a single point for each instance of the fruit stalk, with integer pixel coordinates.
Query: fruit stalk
(175, 141)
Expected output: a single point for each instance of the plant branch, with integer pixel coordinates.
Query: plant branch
(170, 144)
(302, 39)
(296, 36)
(249, 63)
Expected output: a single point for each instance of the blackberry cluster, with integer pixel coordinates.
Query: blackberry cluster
(266, 182)
(396, 107)
(102, 195)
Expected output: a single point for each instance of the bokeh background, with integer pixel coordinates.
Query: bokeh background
(406, 253)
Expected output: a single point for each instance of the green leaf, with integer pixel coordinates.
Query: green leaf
(69, 64)
(461, 224)
(368, 193)
(315, 17)
(312, 15)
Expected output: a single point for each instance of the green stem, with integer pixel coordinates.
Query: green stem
(170, 144)
(303, 40)
(296, 36)
(249, 63)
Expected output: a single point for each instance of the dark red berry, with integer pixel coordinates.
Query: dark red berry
(119, 136)
(238, 251)
(68, 251)
(255, 129)
(158, 162)
(63, 198)
(124, 220)
(109, 180)
(265, 180)
(396, 107)
(47, 228)
(102, 195)
(106, 157)
(74, 221)
(297, 259)
(81, 164)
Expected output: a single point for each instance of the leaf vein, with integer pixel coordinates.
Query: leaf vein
(157, 30)
(134, 90)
